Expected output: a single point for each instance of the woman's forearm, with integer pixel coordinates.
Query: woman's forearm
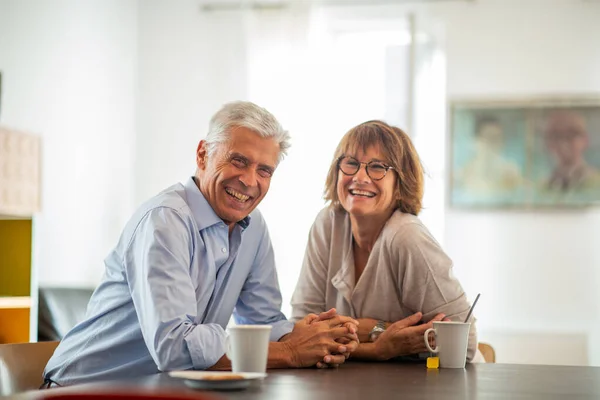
(365, 326)
(367, 351)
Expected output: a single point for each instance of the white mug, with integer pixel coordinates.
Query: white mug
(451, 339)
(248, 347)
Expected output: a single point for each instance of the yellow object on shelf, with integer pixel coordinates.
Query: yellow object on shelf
(15, 257)
(14, 323)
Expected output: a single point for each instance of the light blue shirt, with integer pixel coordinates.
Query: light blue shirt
(169, 289)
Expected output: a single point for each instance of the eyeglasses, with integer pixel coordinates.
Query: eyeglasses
(375, 169)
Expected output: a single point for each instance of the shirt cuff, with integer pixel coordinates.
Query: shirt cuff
(281, 328)
(206, 344)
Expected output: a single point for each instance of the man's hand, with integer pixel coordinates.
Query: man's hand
(404, 337)
(347, 344)
(313, 341)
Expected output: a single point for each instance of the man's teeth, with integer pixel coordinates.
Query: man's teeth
(361, 193)
(236, 194)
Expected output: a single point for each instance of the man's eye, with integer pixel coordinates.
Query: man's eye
(238, 162)
(265, 173)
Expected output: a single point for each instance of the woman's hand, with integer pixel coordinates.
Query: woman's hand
(404, 337)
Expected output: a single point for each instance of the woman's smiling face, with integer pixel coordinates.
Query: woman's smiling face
(359, 194)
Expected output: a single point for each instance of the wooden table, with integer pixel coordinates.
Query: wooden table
(382, 381)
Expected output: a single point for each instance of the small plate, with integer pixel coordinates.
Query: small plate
(208, 380)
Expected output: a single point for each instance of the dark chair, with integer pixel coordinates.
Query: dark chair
(60, 309)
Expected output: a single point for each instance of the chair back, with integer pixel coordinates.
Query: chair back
(489, 354)
(60, 309)
(22, 366)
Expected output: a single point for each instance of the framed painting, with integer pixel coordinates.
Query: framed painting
(530, 153)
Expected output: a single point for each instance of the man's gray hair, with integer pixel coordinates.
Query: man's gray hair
(248, 115)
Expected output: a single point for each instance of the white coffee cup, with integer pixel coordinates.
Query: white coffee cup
(248, 347)
(451, 339)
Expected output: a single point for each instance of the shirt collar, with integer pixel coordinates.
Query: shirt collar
(203, 213)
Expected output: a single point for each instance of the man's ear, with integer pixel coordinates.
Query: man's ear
(201, 155)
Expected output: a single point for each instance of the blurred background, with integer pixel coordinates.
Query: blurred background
(121, 91)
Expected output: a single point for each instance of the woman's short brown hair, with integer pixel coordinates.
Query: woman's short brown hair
(396, 145)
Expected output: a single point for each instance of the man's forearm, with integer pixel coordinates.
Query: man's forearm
(280, 356)
(222, 365)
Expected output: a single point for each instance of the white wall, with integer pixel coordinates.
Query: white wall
(190, 63)
(536, 269)
(69, 76)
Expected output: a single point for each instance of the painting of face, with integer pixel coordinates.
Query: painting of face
(566, 137)
(236, 176)
(362, 196)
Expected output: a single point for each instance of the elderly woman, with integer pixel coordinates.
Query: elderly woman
(369, 255)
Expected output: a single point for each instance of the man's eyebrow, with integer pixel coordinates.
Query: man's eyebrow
(249, 161)
(239, 155)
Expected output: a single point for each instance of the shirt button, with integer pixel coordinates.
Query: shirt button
(224, 250)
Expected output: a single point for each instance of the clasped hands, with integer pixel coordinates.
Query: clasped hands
(323, 340)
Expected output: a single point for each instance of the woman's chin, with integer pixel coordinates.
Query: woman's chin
(359, 212)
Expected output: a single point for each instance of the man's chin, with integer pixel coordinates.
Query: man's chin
(230, 216)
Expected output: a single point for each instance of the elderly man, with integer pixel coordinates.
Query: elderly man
(187, 260)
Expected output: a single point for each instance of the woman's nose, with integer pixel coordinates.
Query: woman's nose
(361, 175)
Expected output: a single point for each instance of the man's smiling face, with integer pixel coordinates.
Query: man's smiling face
(236, 176)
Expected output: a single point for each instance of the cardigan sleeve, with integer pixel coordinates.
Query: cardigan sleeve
(426, 281)
(309, 295)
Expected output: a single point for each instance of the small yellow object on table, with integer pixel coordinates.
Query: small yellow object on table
(433, 362)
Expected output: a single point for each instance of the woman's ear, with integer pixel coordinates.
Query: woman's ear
(397, 194)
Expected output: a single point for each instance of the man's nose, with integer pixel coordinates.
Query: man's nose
(248, 178)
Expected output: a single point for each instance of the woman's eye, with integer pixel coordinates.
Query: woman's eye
(378, 167)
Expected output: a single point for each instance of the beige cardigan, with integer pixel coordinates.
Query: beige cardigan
(407, 271)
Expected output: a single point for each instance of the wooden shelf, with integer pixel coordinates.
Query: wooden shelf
(15, 302)
(20, 177)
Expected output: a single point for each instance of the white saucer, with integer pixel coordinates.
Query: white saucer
(201, 379)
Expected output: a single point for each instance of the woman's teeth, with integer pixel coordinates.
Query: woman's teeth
(355, 192)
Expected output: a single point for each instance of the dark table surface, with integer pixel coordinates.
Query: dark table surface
(377, 381)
